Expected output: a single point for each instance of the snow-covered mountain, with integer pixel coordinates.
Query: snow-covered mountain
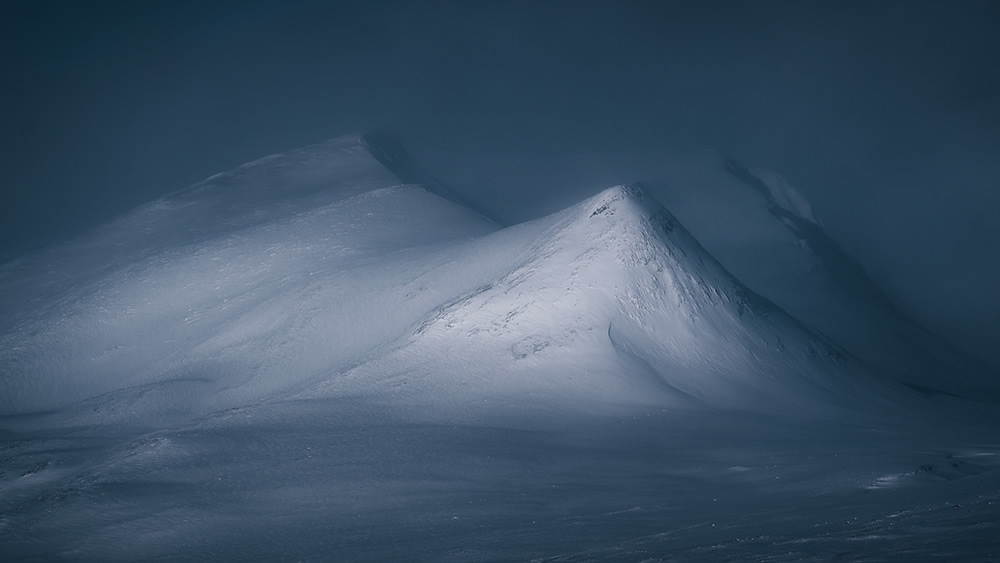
(610, 301)
(329, 354)
(767, 234)
(211, 285)
(296, 268)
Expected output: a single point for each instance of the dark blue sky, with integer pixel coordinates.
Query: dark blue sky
(885, 114)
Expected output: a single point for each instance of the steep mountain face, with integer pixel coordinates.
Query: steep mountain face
(611, 302)
(766, 234)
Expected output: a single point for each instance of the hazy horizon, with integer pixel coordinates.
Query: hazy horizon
(885, 115)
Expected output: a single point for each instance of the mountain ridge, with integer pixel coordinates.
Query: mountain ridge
(615, 288)
(302, 281)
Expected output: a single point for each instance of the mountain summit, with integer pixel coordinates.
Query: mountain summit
(298, 268)
(153, 295)
(611, 301)
(314, 357)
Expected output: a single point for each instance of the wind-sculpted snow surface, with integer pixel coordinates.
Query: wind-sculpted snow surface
(306, 359)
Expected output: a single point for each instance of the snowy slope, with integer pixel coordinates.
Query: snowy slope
(767, 235)
(306, 359)
(770, 238)
(610, 301)
(204, 290)
(297, 268)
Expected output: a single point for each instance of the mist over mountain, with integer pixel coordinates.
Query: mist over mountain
(601, 282)
(304, 342)
(884, 116)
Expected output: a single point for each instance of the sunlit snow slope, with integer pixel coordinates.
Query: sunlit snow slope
(610, 301)
(328, 355)
(228, 290)
(316, 271)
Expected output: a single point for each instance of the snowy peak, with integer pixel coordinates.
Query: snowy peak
(310, 167)
(318, 265)
(664, 270)
(643, 232)
(315, 175)
(629, 195)
(188, 280)
(615, 289)
(629, 213)
(629, 202)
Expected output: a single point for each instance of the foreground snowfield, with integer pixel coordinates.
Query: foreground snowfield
(306, 359)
